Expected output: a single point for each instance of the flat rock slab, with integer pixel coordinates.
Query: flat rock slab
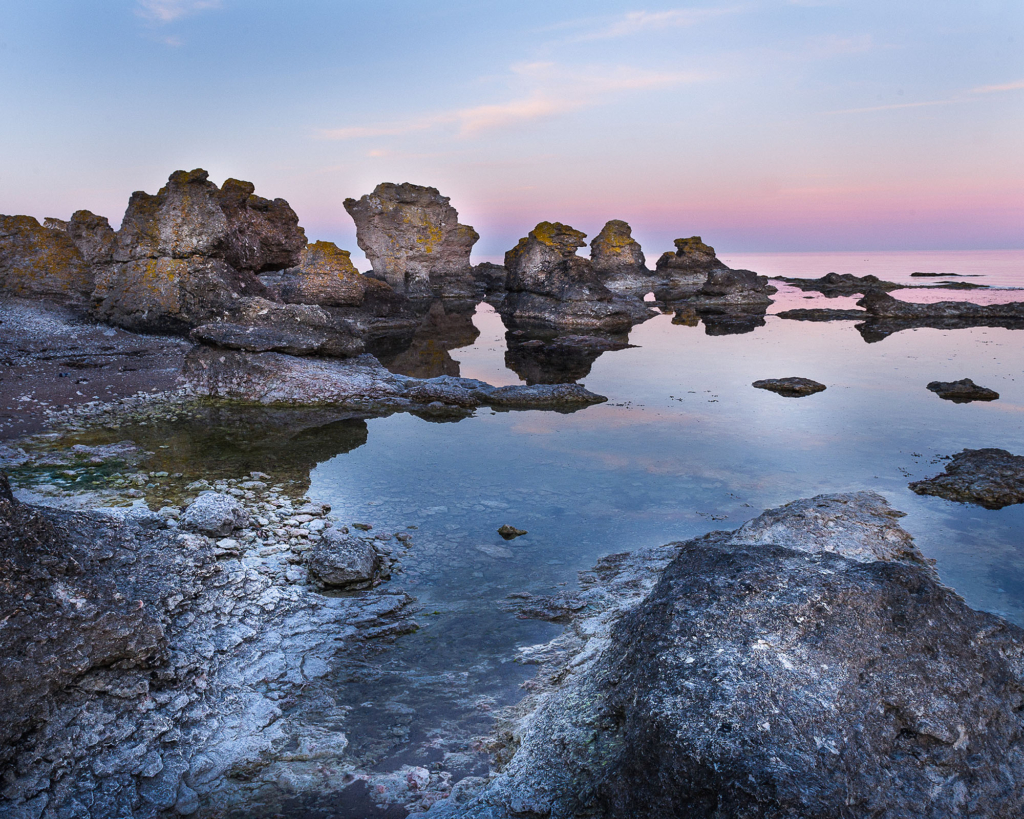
(823, 314)
(962, 392)
(790, 387)
(992, 478)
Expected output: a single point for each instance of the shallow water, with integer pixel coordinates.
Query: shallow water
(684, 445)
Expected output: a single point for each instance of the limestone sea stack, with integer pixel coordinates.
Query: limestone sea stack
(550, 285)
(42, 262)
(187, 253)
(413, 239)
(619, 261)
(683, 272)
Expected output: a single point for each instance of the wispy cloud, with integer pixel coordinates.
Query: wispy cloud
(167, 11)
(993, 89)
(554, 91)
(636, 22)
(969, 96)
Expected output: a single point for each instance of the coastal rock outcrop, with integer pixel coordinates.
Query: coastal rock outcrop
(992, 478)
(726, 290)
(358, 383)
(38, 262)
(189, 252)
(882, 305)
(790, 676)
(681, 273)
(794, 387)
(550, 286)
(326, 276)
(413, 239)
(841, 284)
(344, 562)
(619, 261)
(92, 235)
(962, 392)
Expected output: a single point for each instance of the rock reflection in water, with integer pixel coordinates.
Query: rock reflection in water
(447, 325)
(546, 358)
(721, 322)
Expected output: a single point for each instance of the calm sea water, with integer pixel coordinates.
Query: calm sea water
(684, 445)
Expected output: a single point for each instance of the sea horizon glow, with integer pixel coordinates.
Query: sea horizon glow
(770, 125)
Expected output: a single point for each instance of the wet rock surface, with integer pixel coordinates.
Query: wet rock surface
(794, 387)
(884, 306)
(683, 272)
(729, 289)
(413, 239)
(822, 314)
(344, 562)
(359, 383)
(962, 392)
(550, 286)
(762, 680)
(844, 284)
(214, 514)
(166, 679)
(992, 478)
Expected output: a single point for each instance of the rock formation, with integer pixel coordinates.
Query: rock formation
(841, 284)
(619, 262)
(191, 251)
(413, 239)
(41, 263)
(683, 272)
(992, 478)
(326, 276)
(549, 285)
(962, 392)
(360, 383)
(807, 665)
(92, 235)
(882, 305)
(790, 387)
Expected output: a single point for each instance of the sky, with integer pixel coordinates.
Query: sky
(760, 125)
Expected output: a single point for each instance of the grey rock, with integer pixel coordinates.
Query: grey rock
(822, 314)
(794, 387)
(413, 239)
(326, 276)
(992, 478)
(962, 392)
(343, 561)
(619, 261)
(92, 235)
(882, 305)
(189, 252)
(763, 680)
(860, 526)
(727, 289)
(214, 514)
(682, 273)
(841, 284)
(490, 277)
(550, 286)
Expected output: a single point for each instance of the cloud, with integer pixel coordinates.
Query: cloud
(167, 11)
(993, 89)
(554, 91)
(635, 22)
(1017, 85)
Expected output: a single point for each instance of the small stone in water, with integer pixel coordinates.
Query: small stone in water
(365, 527)
(510, 532)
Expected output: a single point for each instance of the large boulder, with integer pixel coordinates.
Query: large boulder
(681, 273)
(413, 239)
(732, 289)
(214, 514)
(344, 562)
(618, 260)
(189, 252)
(549, 285)
(757, 679)
(42, 262)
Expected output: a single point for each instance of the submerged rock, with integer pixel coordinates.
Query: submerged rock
(962, 391)
(992, 478)
(767, 680)
(413, 239)
(343, 562)
(41, 263)
(882, 305)
(794, 387)
(841, 284)
(619, 261)
(822, 314)
(214, 514)
(189, 252)
(550, 286)
(510, 532)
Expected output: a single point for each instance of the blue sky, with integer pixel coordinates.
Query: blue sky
(760, 125)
